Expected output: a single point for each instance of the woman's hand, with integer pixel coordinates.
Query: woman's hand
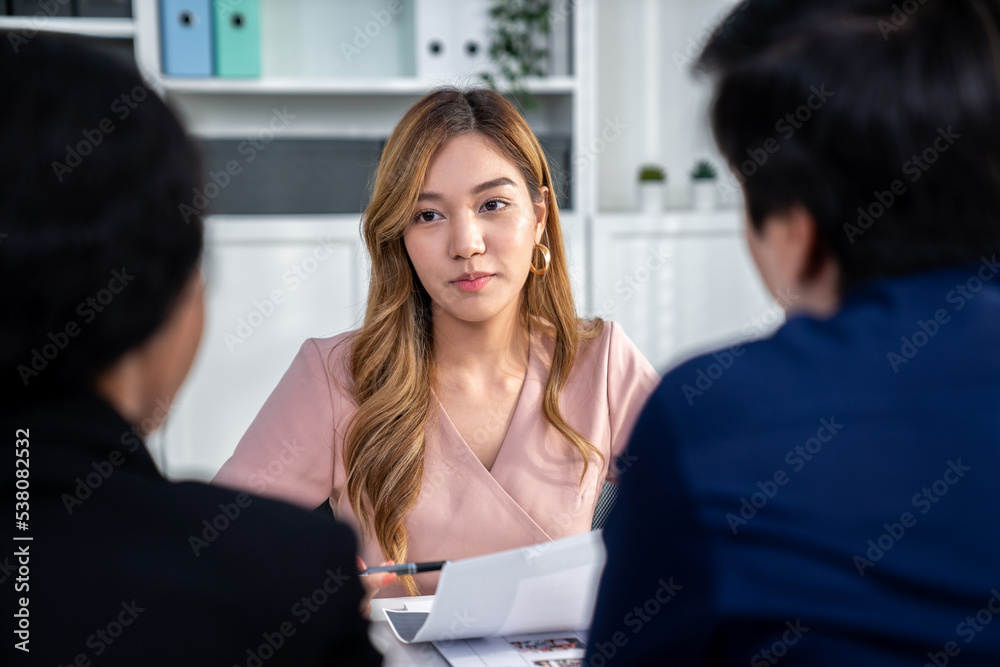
(372, 583)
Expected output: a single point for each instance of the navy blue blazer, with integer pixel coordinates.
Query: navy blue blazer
(828, 496)
(127, 568)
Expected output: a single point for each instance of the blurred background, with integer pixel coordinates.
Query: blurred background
(292, 101)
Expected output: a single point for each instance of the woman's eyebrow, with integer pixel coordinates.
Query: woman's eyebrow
(495, 183)
(482, 187)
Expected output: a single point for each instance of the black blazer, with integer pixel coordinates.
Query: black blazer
(127, 568)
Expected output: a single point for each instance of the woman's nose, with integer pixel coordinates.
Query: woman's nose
(466, 237)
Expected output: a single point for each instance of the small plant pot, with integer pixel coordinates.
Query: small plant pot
(703, 194)
(651, 196)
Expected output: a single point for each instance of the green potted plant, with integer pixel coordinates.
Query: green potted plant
(518, 49)
(703, 186)
(652, 185)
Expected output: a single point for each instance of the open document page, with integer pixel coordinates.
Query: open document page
(552, 649)
(542, 588)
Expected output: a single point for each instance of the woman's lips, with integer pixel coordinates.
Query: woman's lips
(473, 284)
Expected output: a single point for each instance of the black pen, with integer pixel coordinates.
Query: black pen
(405, 568)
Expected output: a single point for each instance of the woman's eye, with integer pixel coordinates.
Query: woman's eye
(425, 216)
(495, 205)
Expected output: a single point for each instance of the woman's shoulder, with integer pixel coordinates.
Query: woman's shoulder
(590, 329)
(338, 344)
(329, 356)
(599, 336)
(608, 347)
(599, 341)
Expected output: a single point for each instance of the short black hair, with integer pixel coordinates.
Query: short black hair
(94, 248)
(881, 119)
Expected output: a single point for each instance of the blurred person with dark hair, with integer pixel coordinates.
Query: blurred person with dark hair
(102, 318)
(831, 498)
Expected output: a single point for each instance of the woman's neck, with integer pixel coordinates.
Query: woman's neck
(480, 349)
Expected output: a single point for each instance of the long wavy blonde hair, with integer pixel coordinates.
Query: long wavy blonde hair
(392, 353)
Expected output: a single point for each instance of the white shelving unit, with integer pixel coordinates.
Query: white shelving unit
(339, 86)
(88, 27)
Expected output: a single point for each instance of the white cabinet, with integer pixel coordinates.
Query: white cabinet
(271, 283)
(679, 283)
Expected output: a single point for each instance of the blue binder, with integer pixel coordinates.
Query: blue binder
(186, 37)
(237, 37)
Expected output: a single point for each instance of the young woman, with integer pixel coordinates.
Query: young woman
(473, 411)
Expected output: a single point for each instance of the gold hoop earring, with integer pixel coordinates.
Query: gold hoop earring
(548, 260)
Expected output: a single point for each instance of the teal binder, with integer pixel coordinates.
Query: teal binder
(237, 37)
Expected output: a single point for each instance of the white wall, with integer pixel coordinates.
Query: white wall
(677, 134)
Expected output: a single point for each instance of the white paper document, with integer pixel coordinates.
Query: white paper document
(553, 649)
(538, 589)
